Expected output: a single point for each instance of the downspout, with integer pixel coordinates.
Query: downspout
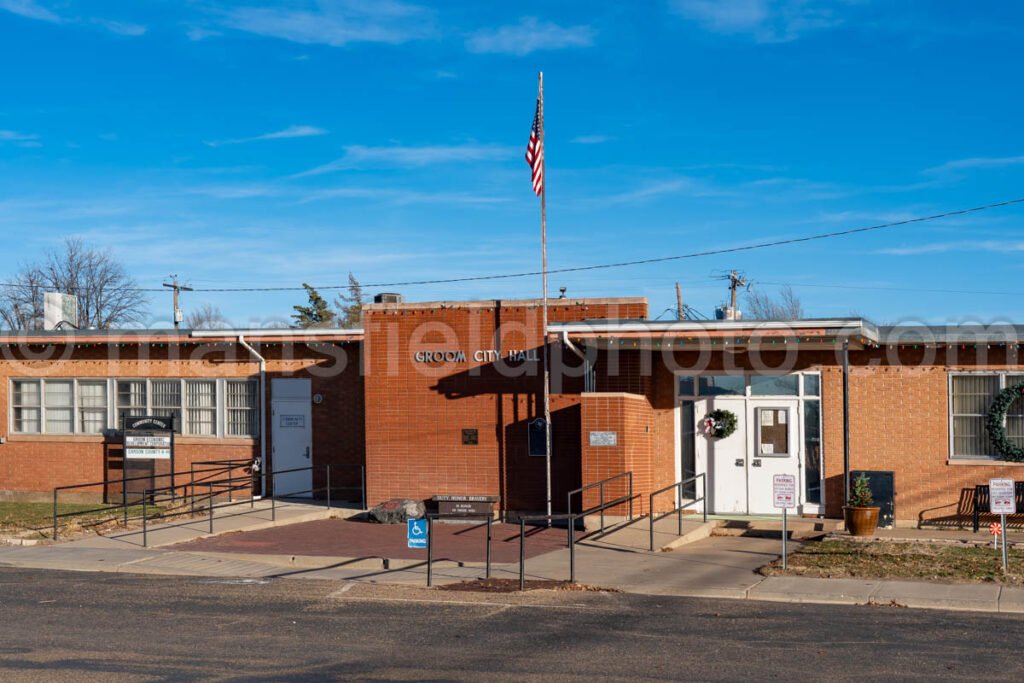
(263, 407)
(588, 380)
(846, 422)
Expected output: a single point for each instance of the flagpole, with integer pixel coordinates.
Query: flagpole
(544, 286)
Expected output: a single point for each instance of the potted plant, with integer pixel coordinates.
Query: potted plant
(861, 515)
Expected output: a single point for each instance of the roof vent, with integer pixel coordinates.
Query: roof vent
(388, 298)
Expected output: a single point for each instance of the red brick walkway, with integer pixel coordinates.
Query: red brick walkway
(343, 538)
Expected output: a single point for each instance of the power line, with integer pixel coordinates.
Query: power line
(619, 264)
(660, 259)
(881, 289)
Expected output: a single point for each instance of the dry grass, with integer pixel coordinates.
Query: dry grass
(901, 560)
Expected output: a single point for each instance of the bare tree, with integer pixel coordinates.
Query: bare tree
(762, 306)
(107, 295)
(206, 317)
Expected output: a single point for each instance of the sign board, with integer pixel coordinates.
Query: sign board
(1001, 498)
(148, 437)
(784, 491)
(293, 420)
(416, 533)
(604, 438)
(465, 505)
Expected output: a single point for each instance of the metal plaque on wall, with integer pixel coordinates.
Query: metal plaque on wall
(604, 438)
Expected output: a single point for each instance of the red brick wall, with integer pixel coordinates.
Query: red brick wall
(415, 412)
(32, 464)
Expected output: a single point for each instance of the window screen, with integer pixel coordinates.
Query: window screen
(201, 397)
(241, 408)
(167, 400)
(131, 399)
(972, 398)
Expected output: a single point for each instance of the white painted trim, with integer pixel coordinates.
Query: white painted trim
(282, 332)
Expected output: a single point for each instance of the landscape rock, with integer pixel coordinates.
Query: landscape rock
(398, 510)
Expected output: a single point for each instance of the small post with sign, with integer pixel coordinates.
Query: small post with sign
(1002, 502)
(784, 497)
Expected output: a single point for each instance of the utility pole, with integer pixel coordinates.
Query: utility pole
(735, 282)
(679, 302)
(177, 287)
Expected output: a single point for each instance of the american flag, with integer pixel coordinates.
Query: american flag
(535, 152)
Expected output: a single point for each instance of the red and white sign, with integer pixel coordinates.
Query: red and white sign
(1001, 499)
(784, 491)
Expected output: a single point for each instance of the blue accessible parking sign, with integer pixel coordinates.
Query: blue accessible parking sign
(417, 533)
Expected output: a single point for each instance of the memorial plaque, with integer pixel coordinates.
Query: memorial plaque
(465, 505)
(604, 438)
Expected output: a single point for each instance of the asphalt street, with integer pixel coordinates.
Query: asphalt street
(69, 626)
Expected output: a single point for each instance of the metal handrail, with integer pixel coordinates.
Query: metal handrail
(678, 487)
(229, 465)
(313, 489)
(602, 505)
(431, 516)
(522, 543)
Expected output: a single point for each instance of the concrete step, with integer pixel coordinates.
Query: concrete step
(799, 528)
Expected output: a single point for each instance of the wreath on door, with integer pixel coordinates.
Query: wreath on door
(996, 424)
(720, 423)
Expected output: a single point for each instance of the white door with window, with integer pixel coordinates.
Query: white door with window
(769, 438)
(292, 432)
(723, 460)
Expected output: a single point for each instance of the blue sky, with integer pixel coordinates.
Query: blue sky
(268, 144)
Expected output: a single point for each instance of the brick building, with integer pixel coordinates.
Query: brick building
(440, 397)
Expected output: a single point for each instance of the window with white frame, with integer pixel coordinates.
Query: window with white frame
(58, 399)
(201, 397)
(87, 406)
(132, 399)
(92, 406)
(971, 397)
(240, 403)
(166, 396)
(26, 406)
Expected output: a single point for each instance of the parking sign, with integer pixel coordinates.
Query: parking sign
(417, 533)
(1001, 498)
(784, 491)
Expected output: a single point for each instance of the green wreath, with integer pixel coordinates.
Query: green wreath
(720, 423)
(996, 424)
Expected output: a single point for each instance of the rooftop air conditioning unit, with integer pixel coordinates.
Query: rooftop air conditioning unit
(388, 298)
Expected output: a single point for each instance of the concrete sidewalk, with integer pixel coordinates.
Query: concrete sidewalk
(712, 567)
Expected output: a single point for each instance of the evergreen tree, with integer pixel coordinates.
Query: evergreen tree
(350, 306)
(317, 314)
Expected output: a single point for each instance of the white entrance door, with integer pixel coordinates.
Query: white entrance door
(773, 433)
(723, 460)
(292, 425)
(740, 467)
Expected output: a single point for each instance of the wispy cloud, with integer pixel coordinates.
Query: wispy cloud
(402, 197)
(197, 33)
(19, 139)
(336, 22)
(999, 246)
(357, 156)
(121, 28)
(30, 9)
(529, 35)
(976, 162)
(674, 186)
(33, 9)
(287, 133)
(590, 139)
(767, 21)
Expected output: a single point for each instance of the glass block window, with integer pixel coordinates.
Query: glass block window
(201, 400)
(92, 406)
(59, 402)
(26, 406)
(241, 408)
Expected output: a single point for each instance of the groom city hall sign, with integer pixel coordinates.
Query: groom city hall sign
(479, 356)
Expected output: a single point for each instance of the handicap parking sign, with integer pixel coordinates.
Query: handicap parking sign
(417, 533)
